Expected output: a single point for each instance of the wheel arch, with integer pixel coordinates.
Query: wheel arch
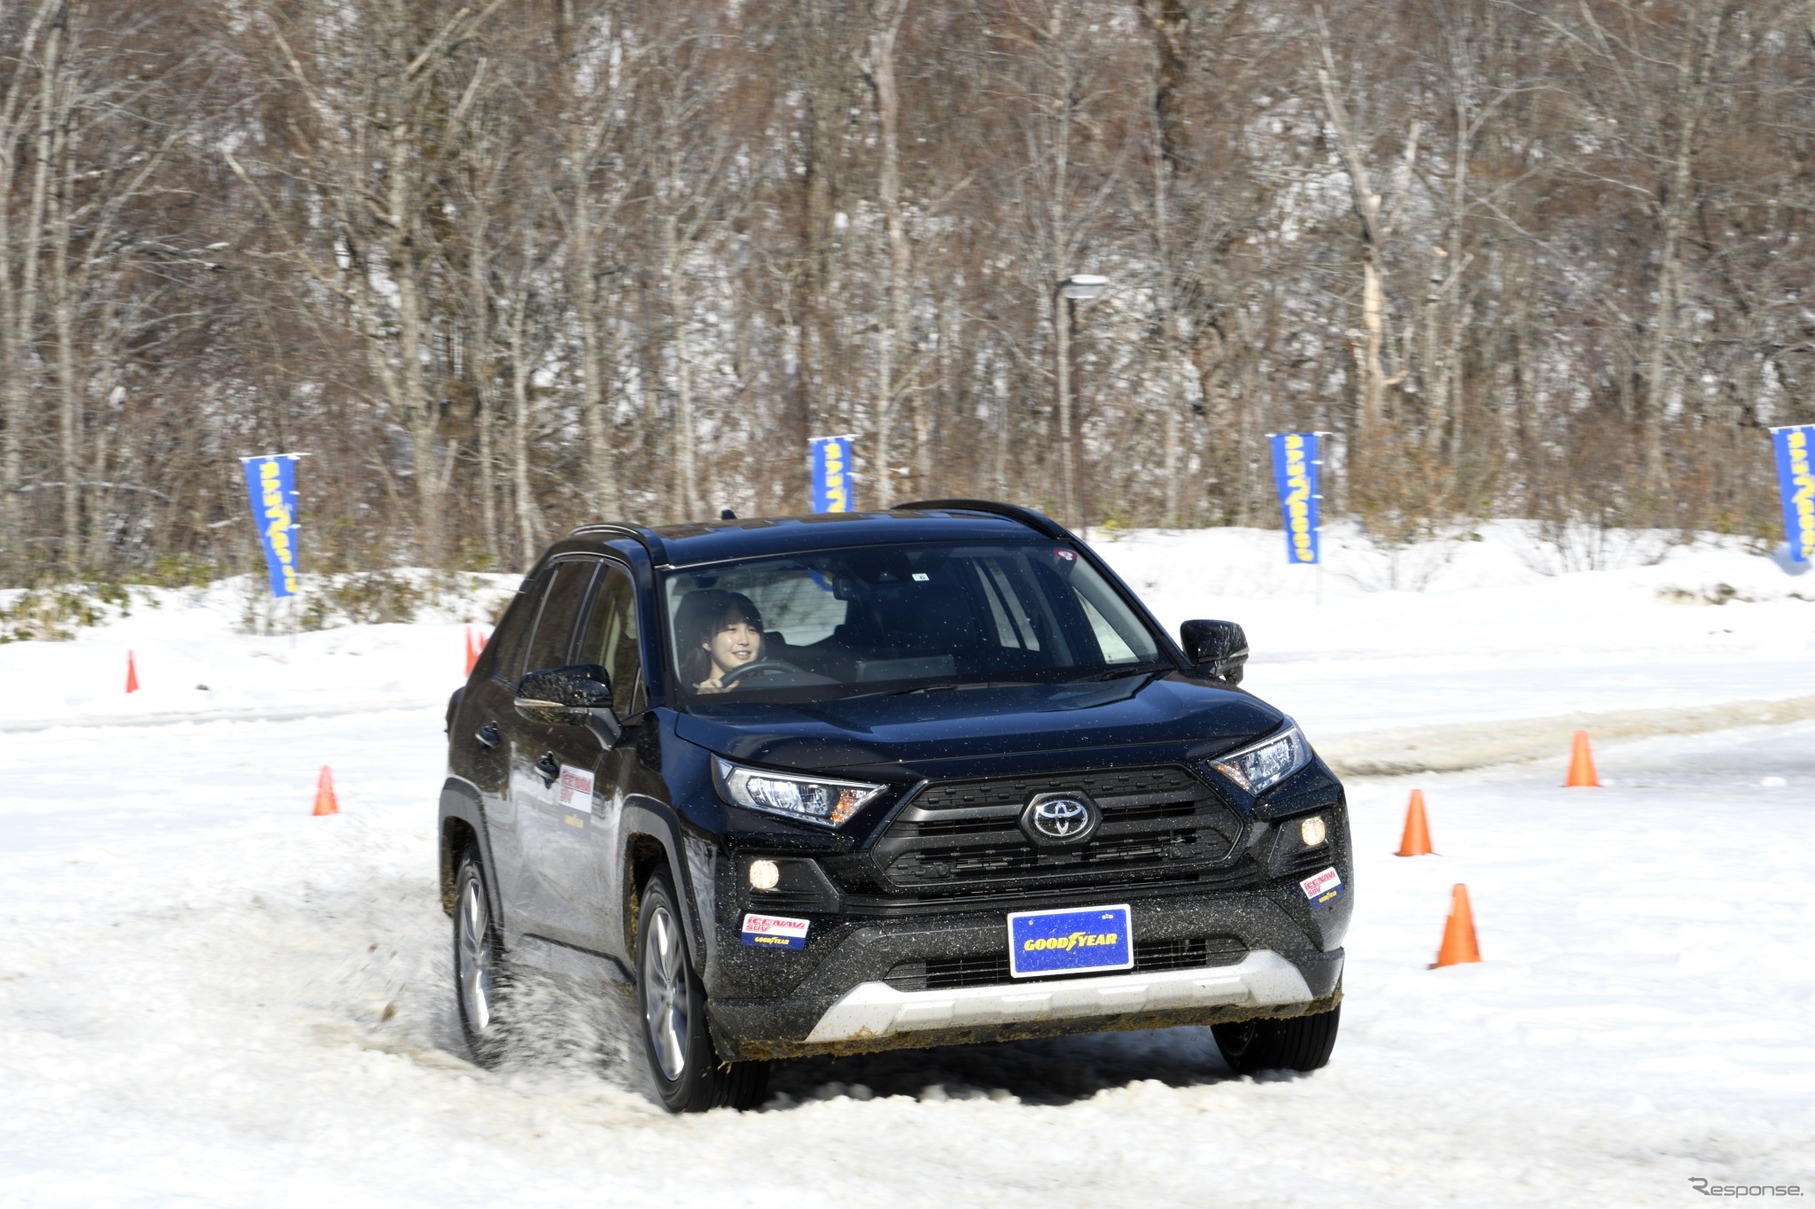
(462, 827)
(651, 837)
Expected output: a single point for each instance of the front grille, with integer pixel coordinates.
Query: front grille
(990, 969)
(1160, 825)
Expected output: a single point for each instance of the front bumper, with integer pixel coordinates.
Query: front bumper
(869, 985)
(876, 1010)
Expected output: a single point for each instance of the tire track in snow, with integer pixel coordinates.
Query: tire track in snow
(1462, 746)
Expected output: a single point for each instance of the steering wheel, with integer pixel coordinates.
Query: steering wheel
(760, 667)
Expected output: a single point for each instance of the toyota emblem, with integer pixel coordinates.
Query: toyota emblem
(1060, 818)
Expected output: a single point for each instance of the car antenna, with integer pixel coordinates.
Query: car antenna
(725, 514)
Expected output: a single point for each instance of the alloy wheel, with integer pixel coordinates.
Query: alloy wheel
(665, 992)
(474, 956)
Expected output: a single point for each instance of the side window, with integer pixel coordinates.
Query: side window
(560, 610)
(507, 644)
(610, 639)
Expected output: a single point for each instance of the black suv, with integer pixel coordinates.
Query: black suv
(851, 782)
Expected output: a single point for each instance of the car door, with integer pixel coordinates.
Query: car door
(548, 764)
(579, 850)
(487, 717)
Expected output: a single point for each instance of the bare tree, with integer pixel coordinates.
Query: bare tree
(403, 70)
(41, 47)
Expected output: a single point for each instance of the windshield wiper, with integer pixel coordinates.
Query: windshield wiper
(1117, 673)
(946, 686)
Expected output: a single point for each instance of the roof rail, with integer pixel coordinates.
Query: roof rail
(656, 548)
(1014, 512)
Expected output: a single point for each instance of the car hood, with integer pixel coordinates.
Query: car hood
(943, 731)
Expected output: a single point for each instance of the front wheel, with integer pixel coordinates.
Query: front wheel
(685, 1068)
(1300, 1043)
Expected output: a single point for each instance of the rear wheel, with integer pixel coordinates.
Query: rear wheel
(1301, 1043)
(479, 979)
(685, 1068)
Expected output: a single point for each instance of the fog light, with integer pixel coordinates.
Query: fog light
(1311, 832)
(764, 875)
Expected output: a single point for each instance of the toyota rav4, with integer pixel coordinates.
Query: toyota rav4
(851, 782)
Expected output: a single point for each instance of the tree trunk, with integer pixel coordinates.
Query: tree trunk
(69, 417)
(18, 311)
(686, 435)
(1694, 83)
(881, 68)
(522, 498)
(485, 393)
(603, 487)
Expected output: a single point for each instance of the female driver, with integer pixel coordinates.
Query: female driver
(717, 632)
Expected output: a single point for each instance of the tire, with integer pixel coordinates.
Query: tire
(479, 971)
(1302, 1043)
(685, 1069)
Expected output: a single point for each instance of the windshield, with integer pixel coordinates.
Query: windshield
(891, 618)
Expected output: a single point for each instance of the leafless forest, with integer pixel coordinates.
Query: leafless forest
(506, 267)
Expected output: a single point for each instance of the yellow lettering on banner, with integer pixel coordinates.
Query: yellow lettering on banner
(1803, 499)
(838, 498)
(1298, 497)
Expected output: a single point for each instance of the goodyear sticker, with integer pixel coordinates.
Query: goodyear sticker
(1322, 888)
(1069, 941)
(775, 932)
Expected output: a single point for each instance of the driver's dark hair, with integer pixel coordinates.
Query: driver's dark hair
(701, 615)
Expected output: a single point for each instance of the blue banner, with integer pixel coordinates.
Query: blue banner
(1295, 467)
(1798, 483)
(271, 481)
(831, 474)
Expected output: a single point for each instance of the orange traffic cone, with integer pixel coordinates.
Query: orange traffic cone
(1581, 764)
(132, 674)
(473, 647)
(1459, 944)
(324, 793)
(1417, 838)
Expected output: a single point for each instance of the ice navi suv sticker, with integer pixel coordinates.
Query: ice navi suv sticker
(1322, 888)
(573, 797)
(775, 932)
(1069, 941)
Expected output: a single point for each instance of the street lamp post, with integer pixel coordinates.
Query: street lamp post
(1079, 287)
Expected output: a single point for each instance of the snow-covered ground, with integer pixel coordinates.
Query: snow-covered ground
(208, 996)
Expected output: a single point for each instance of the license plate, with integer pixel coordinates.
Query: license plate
(1072, 940)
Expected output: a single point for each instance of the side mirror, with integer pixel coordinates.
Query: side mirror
(579, 695)
(1218, 648)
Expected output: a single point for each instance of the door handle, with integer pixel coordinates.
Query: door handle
(487, 736)
(548, 768)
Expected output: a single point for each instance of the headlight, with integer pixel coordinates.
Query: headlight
(814, 799)
(1260, 766)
